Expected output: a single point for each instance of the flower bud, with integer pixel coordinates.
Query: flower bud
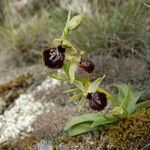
(117, 111)
(97, 100)
(87, 65)
(54, 57)
(75, 22)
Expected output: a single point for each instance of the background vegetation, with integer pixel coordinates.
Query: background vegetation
(121, 27)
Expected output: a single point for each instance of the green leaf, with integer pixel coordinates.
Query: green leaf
(134, 98)
(71, 90)
(127, 98)
(79, 85)
(72, 70)
(76, 96)
(81, 128)
(82, 103)
(62, 78)
(104, 119)
(145, 104)
(81, 119)
(122, 90)
(94, 86)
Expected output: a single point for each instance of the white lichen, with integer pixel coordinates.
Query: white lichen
(18, 119)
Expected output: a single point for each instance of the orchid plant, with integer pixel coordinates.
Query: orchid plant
(68, 58)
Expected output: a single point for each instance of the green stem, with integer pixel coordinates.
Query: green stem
(111, 97)
(65, 32)
(86, 82)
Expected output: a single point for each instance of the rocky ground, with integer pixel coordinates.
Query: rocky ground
(34, 110)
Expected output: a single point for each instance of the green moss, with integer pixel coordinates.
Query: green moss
(24, 144)
(6, 147)
(12, 89)
(131, 133)
(20, 82)
(80, 142)
(27, 143)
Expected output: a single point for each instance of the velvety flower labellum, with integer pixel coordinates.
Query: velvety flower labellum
(86, 65)
(54, 57)
(97, 100)
(60, 49)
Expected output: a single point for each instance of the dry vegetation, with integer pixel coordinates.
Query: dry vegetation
(121, 27)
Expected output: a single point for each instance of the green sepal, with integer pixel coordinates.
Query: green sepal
(76, 96)
(79, 85)
(58, 77)
(94, 85)
(82, 103)
(71, 90)
(72, 70)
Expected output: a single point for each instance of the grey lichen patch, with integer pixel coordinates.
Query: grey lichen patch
(52, 123)
(132, 132)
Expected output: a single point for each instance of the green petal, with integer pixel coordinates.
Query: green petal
(72, 70)
(94, 86)
(82, 103)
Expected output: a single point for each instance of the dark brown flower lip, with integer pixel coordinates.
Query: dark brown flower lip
(61, 49)
(97, 100)
(53, 59)
(87, 65)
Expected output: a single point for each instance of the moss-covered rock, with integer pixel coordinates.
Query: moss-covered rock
(81, 142)
(27, 143)
(12, 89)
(131, 133)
